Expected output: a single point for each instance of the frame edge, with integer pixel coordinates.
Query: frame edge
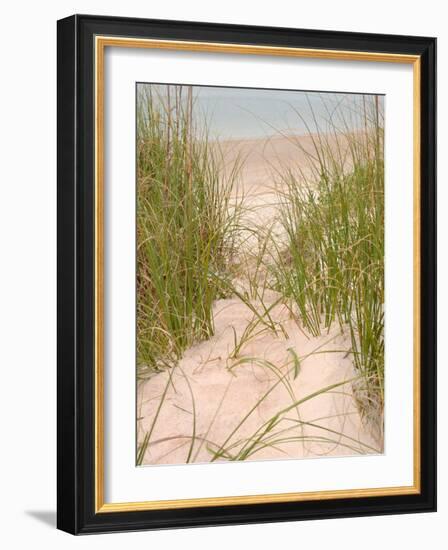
(67, 454)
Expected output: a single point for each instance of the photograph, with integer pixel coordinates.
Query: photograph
(259, 274)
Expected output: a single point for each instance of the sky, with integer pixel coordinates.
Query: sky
(236, 113)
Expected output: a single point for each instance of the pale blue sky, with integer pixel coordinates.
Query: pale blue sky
(244, 113)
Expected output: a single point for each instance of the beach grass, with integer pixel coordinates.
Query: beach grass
(185, 227)
(333, 267)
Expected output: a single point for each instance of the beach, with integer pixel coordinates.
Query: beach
(261, 387)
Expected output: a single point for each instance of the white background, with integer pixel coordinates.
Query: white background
(28, 272)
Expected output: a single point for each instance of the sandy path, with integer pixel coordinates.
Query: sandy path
(223, 392)
(224, 403)
(259, 184)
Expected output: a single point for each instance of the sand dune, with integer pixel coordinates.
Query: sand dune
(210, 397)
(210, 408)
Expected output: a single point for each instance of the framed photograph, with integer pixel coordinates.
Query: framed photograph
(246, 274)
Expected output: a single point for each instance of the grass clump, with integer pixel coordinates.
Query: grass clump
(333, 267)
(184, 229)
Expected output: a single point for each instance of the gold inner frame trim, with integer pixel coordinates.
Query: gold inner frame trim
(101, 42)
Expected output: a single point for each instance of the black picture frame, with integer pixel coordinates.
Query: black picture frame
(76, 254)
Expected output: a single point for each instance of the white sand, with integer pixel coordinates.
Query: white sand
(210, 394)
